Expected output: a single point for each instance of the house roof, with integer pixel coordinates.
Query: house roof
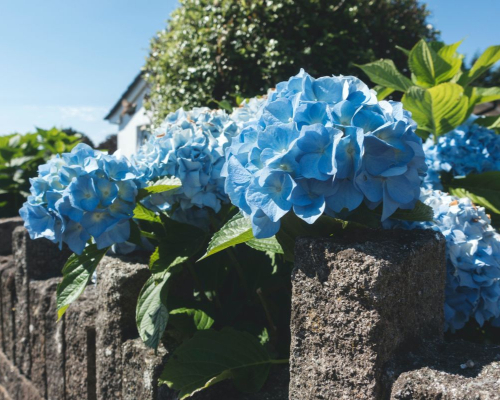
(137, 80)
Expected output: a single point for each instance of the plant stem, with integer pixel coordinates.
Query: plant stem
(280, 361)
(269, 317)
(197, 280)
(239, 270)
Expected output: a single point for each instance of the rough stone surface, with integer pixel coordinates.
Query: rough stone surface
(40, 294)
(141, 370)
(80, 351)
(35, 260)
(356, 301)
(437, 373)
(54, 349)
(8, 294)
(7, 226)
(14, 383)
(119, 281)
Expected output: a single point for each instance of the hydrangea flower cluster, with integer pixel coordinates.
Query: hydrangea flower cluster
(80, 195)
(247, 110)
(323, 146)
(188, 145)
(470, 148)
(473, 258)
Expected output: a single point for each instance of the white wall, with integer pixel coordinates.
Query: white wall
(128, 131)
(130, 125)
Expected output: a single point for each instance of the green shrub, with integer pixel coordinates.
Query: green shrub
(20, 156)
(213, 50)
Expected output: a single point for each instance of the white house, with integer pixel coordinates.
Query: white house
(131, 117)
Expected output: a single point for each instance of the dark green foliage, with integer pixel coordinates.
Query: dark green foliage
(20, 156)
(213, 50)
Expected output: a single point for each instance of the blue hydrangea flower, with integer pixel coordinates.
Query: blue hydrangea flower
(188, 145)
(319, 146)
(473, 258)
(80, 195)
(470, 148)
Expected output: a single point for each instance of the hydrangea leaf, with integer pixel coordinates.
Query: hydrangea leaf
(421, 212)
(180, 242)
(237, 230)
(160, 186)
(269, 244)
(143, 213)
(385, 73)
(189, 321)
(483, 189)
(77, 273)
(429, 68)
(492, 122)
(382, 92)
(478, 95)
(151, 311)
(212, 356)
(490, 56)
(439, 109)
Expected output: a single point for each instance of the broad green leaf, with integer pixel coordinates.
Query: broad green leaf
(478, 95)
(143, 213)
(237, 230)
(385, 73)
(429, 67)
(482, 64)
(492, 122)
(163, 185)
(382, 92)
(439, 109)
(77, 273)
(189, 321)
(449, 54)
(483, 189)
(151, 312)
(270, 244)
(421, 212)
(180, 243)
(212, 356)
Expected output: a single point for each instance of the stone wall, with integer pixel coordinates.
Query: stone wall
(367, 323)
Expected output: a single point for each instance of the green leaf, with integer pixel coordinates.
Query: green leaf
(478, 95)
(483, 189)
(482, 64)
(429, 67)
(270, 244)
(492, 122)
(405, 51)
(179, 244)
(385, 73)
(77, 273)
(212, 356)
(237, 230)
(163, 185)
(151, 312)
(189, 321)
(439, 109)
(382, 92)
(143, 213)
(421, 212)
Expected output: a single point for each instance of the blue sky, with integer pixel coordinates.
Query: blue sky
(65, 63)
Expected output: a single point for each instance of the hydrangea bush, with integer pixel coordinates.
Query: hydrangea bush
(323, 146)
(304, 159)
(468, 149)
(79, 195)
(473, 258)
